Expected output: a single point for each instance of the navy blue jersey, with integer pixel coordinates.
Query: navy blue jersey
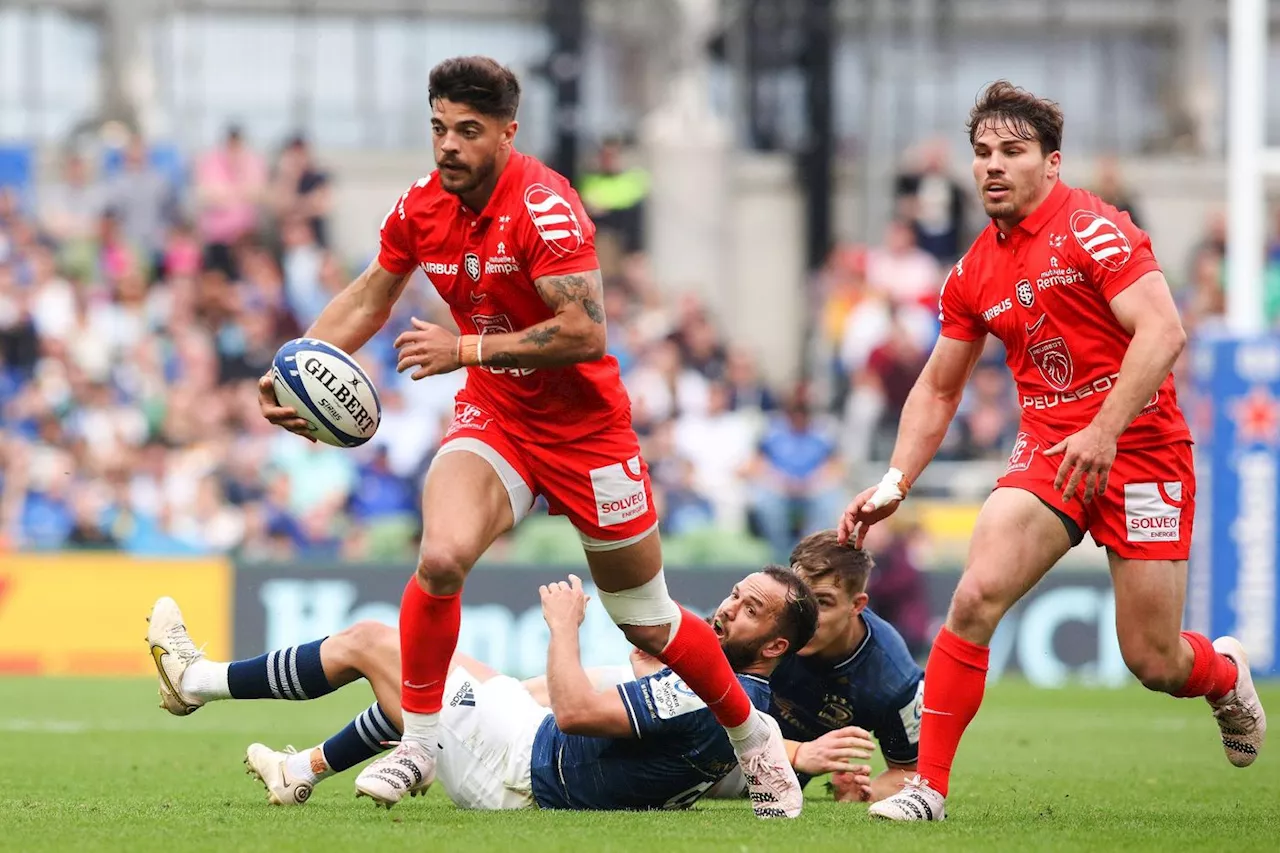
(678, 753)
(879, 688)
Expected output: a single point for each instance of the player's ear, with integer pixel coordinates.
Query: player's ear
(509, 133)
(860, 602)
(775, 648)
(1054, 161)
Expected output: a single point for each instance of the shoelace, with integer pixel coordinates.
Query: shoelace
(917, 781)
(180, 644)
(759, 766)
(1234, 713)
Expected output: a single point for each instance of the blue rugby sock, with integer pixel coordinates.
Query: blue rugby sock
(360, 740)
(292, 673)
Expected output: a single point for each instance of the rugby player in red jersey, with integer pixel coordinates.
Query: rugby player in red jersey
(505, 241)
(1071, 287)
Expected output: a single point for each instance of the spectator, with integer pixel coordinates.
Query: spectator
(230, 183)
(69, 208)
(145, 202)
(300, 190)
(1109, 186)
(614, 197)
(933, 204)
(795, 477)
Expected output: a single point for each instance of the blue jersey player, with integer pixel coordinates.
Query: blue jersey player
(854, 678)
(563, 742)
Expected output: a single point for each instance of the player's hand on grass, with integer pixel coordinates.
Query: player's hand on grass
(281, 416)
(869, 507)
(834, 751)
(852, 785)
(564, 605)
(1087, 456)
(428, 347)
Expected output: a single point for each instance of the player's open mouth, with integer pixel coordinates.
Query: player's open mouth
(995, 192)
(717, 626)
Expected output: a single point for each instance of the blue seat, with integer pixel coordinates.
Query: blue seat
(17, 170)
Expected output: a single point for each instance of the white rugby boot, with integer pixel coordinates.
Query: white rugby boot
(1241, 720)
(772, 785)
(267, 765)
(407, 769)
(172, 651)
(916, 801)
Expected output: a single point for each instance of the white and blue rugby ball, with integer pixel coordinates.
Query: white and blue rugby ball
(328, 390)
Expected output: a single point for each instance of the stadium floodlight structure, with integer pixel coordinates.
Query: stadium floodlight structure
(1249, 163)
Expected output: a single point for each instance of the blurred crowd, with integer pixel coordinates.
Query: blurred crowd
(139, 303)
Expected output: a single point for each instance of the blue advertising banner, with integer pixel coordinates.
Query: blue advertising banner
(1235, 416)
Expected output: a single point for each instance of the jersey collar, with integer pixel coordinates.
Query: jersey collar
(866, 640)
(1052, 204)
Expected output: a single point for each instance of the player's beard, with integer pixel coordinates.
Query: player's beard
(473, 179)
(742, 653)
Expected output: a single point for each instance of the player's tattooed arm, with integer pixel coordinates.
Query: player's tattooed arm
(575, 334)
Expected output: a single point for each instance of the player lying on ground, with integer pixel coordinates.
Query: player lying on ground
(501, 748)
(1070, 286)
(505, 241)
(855, 672)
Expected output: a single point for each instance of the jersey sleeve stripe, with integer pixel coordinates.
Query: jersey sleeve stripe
(631, 714)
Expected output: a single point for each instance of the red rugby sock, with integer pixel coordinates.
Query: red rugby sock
(1212, 674)
(429, 627)
(954, 680)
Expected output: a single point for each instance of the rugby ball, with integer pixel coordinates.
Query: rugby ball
(328, 390)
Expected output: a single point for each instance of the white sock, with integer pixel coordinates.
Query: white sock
(754, 732)
(206, 680)
(422, 728)
(309, 766)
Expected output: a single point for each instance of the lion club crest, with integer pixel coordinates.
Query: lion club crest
(1054, 360)
(1026, 296)
(472, 265)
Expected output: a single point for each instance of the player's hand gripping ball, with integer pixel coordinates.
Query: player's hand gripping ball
(318, 391)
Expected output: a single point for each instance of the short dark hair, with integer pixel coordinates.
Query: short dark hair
(482, 83)
(820, 555)
(1029, 117)
(799, 617)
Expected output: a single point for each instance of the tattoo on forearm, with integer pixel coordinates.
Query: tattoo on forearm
(586, 289)
(501, 359)
(540, 337)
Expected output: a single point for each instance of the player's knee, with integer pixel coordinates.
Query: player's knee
(645, 613)
(349, 646)
(976, 610)
(442, 568)
(651, 639)
(1156, 671)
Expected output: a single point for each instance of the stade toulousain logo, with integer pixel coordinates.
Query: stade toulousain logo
(1101, 238)
(472, 265)
(557, 224)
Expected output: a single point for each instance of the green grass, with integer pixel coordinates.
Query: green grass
(90, 765)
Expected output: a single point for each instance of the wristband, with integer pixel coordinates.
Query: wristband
(468, 350)
(793, 749)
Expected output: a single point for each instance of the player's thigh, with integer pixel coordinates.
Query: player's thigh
(475, 491)
(1148, 510)
(1015, 541)
(627, 567)
(1150, 598)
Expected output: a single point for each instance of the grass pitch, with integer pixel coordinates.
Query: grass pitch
(94, 765)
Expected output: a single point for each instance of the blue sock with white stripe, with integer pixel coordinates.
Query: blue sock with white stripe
(292, 673)
(360, 740)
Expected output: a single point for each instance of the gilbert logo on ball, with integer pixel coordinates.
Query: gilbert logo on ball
(329, 390)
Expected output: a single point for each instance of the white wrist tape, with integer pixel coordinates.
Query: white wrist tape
(890, 489)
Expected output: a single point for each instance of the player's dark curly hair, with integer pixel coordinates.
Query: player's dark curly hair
(484, 84)
(799, 617)
(820, 555)
(1029, 117)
